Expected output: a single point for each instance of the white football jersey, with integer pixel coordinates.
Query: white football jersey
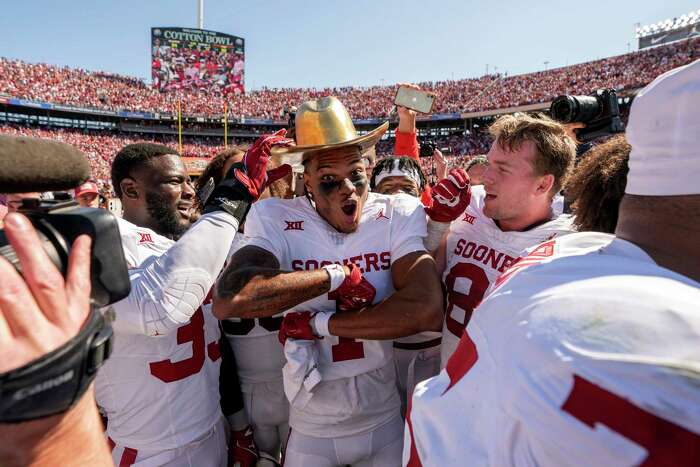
(585, 353)
(390, 228)
(160, 392)
(477, 252)
(259, 354)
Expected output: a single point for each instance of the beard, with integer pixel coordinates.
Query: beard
(167, 218)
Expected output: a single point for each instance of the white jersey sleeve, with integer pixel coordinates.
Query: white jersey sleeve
(167, 287)
(585, 353)
(259, 355)
(261, 232)
(409, 228)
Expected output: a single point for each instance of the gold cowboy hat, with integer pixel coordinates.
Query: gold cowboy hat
(321, 125)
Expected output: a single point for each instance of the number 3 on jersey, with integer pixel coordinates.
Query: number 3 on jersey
(478, 284)
(169, 371)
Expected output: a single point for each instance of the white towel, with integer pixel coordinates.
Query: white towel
(301, 374)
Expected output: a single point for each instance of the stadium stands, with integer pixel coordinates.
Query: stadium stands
(108, 91)
(101, 147)
(96, 90)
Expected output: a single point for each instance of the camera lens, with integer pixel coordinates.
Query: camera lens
(567, 109)
(563, 109)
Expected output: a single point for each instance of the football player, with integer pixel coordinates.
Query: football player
(527, 165)
(258, 353)
(160, 389)
(586, 352)
(350, 267)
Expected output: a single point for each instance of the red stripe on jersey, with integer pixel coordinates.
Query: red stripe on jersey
(462, 360)
(128, 457)
(213, 351)
(413, 458)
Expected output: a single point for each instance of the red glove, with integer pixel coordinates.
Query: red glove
(296, 325)
(451, 197)
(254, 176)
(354, 293)
(242, 451)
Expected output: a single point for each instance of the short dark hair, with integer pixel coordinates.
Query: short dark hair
(405, 163)
(215, 167)
(132, 156)
(476, 160)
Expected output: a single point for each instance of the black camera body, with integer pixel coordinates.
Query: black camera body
(427, 148)
(599, 112)
(59, 224)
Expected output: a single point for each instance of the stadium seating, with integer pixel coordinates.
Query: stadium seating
(81, 88)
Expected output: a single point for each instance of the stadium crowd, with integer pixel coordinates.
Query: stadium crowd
(63, 85)
(101, 146)
(267, 325)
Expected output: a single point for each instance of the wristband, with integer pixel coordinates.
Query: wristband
(336, 273)
(319, 324)
(53, 383)
(436, 230)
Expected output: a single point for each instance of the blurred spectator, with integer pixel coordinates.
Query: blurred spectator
(87, 195)
(475, 169)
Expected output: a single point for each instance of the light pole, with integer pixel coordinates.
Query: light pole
(200, 14)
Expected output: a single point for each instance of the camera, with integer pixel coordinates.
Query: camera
(58, 224)
(599, 112)
(427, 148)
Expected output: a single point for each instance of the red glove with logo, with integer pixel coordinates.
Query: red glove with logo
(242, 451)
(354, 293)
(296, 325)
(451, 197)
(254, 175)
(245, 181)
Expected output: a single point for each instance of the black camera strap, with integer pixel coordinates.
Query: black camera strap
(54, 382)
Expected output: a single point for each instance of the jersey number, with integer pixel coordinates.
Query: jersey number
(169, 371)
(468, 301)
(347, 348)
(666, 443)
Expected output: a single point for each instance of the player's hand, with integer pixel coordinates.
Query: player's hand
(40, 311)
(354, 293)
(451, 197)
(296, 325)
(407, 117)
(242, 451)
(254, 174)
(440, 164)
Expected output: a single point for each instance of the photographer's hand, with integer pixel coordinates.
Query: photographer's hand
(38, 314)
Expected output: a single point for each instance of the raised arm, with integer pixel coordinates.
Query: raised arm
(254, 286)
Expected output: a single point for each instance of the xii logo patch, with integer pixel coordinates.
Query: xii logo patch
(294, 225)
(469, 218)
(145, 237)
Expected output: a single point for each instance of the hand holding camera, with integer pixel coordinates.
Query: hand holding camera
(41, 312)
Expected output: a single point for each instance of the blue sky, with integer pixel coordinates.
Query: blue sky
(338, 43)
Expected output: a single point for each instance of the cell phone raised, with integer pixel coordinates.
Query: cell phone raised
(420, 101)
